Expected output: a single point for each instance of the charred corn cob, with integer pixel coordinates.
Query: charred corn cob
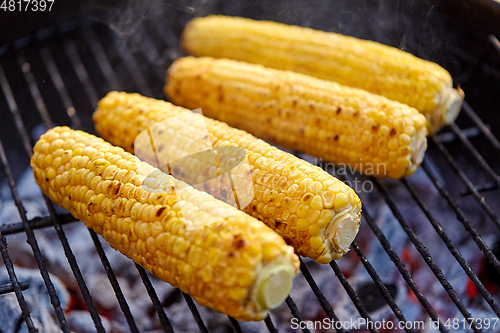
(350, 127)
(368, 65)
(313, 211)
(236, 265)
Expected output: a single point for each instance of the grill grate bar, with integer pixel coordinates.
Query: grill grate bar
(110, 76)
(270, 325)
(352, 294)
(489, 211)
(295, 311)
(483, 164)
(134, 70)
(54, 299)
(114, 282)
(8, 288)
(426, 256)
(60, 86)
(100, 56)
(480, 188)
(165, 322)
(235, 324)
(82, 74)
(454, 251)
(14, 111)
(169, 38)
(380, 285)
(33, 87)
(462, 218)
(25, 312)
(56, 78)
(448, 137)
(319, 295)
(195, 312)
(482, 126)
(137, 83)
(400, 265)
(36, 223)
(494, 41)
(55, 218)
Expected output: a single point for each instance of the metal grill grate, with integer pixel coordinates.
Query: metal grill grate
(67, 53)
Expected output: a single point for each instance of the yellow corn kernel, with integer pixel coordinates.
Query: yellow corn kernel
(156, 237)
(286, 189)
(374, 67)
(357, 123)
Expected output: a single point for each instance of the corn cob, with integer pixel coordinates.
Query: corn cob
(313, 211)
(350, 127)
(377, 68)
(236, 265)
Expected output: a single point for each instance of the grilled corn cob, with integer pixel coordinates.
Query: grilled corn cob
(368, 65)
(236, 265)
(313, 211)
(350, 127)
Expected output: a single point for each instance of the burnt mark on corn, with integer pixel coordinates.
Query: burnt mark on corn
(46, 179)
(288, 240)
(336, 137)
(239, 242)
(277, 224)
(231, 254)
(160, 211)
(279, 112)
(221, 97)
(393, 132)
(375, 128)
(356, 114)
(307, 197)
(339, 110)
(294, 103)
(269, 120)
(117, 188)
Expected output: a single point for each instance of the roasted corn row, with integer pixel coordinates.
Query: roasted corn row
(235, 265)
(316, 213)
(350, 127)
(377, 68)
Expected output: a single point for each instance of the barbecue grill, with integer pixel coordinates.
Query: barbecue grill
(56, 75)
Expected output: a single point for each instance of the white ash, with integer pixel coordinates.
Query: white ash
(37, 298)
(81, 322)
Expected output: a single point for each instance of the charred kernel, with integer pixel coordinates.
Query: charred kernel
(306, 198)
(281, 182)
